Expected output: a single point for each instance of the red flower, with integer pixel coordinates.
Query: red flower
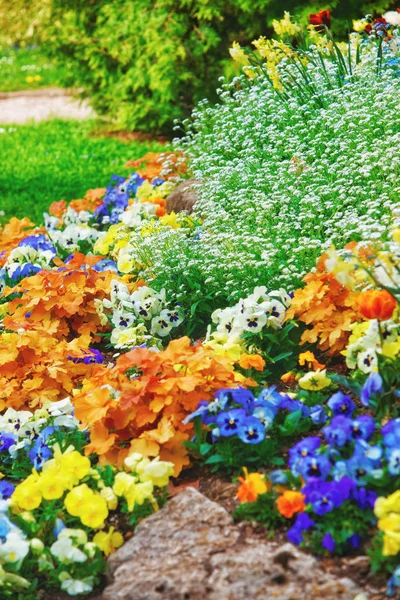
(321, 20)
(377, 304)
(379, 23)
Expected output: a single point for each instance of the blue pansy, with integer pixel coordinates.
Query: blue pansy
(6, 489)
(264, 413)
(230, 421)
(39, 454)
(251, 431)
(338, 432)
(360, 468)
(106, 264)
(318, 414)
(241, 396)
(328, 542)
(301, 450)
(340, 404)
(362, 427)
(373, 385)
(391, 433)
(315, 467)
(302, 523)
(38, 242)
(365, 499)
(6, 440)
(393, 582)
(26, 270)
(324, 496)
(278, 477)
(393, 458)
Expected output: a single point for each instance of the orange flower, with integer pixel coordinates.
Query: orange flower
(57, 208)
(290, 503)
(252, 361)
(308, 358)
(252, 485)
(328, 308)
(288, 377)
(377, 304)
(145, 413)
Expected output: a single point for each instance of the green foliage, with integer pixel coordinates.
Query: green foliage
(263, 511)
(57, 160)
(146, 62)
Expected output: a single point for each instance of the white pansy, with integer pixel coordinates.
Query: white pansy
(65, 551)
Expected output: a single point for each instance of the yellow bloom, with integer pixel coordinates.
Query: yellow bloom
(27, 495)
(122, 483)
(109, 541)
(156, 471)
(76, 465)
(387, 505)
(75, 499)
(94, 512)
(110, 497)
(314, 380)
(285, 26)
(138, 494)
(359, 25)
(238, 55)
(51, 486)
(171, 220)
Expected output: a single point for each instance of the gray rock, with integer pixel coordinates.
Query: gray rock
(192, 550)
(184, 197)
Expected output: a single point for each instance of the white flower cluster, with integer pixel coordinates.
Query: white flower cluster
(138, 318)
(281, 182)
(74, 238)
(252, 314)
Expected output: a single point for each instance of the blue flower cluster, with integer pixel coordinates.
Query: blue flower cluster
(236, 412)
(114, 203)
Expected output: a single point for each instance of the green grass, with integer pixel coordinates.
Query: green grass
(57, 160)
(23, 69)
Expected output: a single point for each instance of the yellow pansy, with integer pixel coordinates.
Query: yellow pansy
(94, 512)
(314, 380)
(109, 541)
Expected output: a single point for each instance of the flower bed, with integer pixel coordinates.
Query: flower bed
(118, 371)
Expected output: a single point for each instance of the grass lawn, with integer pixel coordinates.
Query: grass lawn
(23, 69)
(56, 160)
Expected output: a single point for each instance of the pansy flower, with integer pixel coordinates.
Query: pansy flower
(362, 427)
(373, 385)
(301, 450)
(251, 431)
(302, 523)
(315, 467)
(340, 404)
(338, 432)
(230, 421)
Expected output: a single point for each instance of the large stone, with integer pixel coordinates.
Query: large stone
(192, 550)
(184, 197)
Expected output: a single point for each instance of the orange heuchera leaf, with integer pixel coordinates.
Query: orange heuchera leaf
(63, 301)
(328, 307)
(36, 367)
(144, 398)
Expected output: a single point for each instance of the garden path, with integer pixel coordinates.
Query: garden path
(39, 105)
